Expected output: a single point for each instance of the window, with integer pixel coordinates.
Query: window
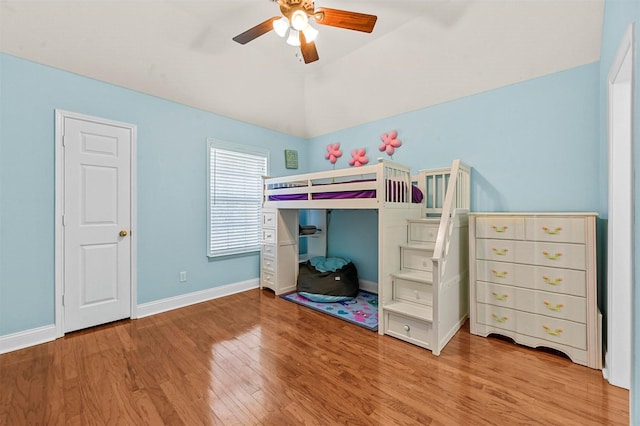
(235, 197)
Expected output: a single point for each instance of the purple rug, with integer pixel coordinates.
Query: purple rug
(361, 310)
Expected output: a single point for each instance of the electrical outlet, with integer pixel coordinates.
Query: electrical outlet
(183, 276)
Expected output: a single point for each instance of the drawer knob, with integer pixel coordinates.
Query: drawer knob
(500, 296)
(555, 332)
(407, 327)
(552, 256)
(500, 252)
(552, 282)
(557, 307)
(500, 228)
(498, 318)
(497, 274)
(552, 231)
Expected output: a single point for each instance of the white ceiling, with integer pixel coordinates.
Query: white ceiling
(420, 53)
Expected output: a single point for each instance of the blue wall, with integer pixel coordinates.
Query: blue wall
(617, 17)
(171, 187)
(533, 146)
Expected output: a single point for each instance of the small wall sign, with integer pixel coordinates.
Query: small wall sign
(291, 158)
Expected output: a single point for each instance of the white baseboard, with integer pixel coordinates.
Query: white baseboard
(164, 305)
(370, 286)
(24, 339)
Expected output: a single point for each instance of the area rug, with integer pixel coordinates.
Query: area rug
(361, 310)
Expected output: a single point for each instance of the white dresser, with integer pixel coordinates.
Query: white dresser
(533, 279)
(279, 251)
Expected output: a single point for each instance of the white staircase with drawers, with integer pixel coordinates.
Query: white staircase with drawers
(428, 298)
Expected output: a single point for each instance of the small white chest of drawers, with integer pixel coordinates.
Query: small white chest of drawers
(533, 279)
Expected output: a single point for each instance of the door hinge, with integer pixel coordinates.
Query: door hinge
(63, 300)
(63, 222)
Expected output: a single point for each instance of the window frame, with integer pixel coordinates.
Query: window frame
(216, 144)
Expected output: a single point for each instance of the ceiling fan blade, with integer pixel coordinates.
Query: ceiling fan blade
(345, 19)
(309, 51)
(257, 31)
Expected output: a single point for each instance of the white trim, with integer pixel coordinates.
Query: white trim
(621, 199)
(24, 339)
(370, 286)
(183, 300)
(60, 115)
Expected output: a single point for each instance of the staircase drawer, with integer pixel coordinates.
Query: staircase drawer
(411, 291)
(416, 259)
(408, 329)
(420, 232)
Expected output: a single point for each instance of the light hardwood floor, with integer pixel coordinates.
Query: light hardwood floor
(253, 358)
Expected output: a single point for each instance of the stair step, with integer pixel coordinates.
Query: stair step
(424, 277)
(420, 246)
(427, 220)
(419, 312)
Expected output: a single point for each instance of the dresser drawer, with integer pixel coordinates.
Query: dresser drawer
(269, 250)
(268, 235)
(555, 229)
(498, 317)
(498, 227)
(556, 280)
(423, 232)
(553, 330)
(416, 259)
(268, 280)
(268, 218)
(411, 291)
(558, 255)
(268, 264)
(409, 329)
(554, 305)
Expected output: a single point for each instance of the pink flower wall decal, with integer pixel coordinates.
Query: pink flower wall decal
(358, 157)
(390, 142)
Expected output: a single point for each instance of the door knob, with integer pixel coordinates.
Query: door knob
(123, 233)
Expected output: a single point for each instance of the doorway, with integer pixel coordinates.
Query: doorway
(621, 203)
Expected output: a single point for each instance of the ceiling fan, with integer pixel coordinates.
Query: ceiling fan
(296, 17)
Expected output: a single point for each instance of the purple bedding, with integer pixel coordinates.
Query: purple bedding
(416, 194)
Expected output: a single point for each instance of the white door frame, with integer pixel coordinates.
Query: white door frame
(60, 115)
(620, 246)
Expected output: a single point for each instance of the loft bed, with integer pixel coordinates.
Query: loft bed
(422, 241)
(385, 184)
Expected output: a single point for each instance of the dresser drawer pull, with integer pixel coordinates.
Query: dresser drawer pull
(552, 282)
(551, 307)
(499, 319)
(499, 274)
(407, 327)
(552, 231)
(500, 228)
(552, 256)
(556, 332)
(500, 296)
(500, 252)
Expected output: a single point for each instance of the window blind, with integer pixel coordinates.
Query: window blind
(235, 198)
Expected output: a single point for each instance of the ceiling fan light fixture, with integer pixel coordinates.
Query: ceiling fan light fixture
(299, 20)
(310, 33)
(280, 26)
(294, 38)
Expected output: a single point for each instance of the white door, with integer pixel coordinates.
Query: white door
(96, 222)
